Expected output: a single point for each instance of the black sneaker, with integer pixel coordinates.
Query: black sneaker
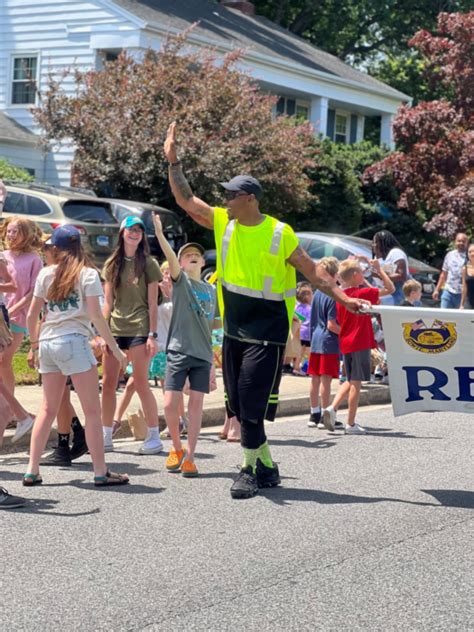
(79, 445)
(7, 501)
(267, 476)
(245, 485)
(338, 425)
(314, 419)
(59, 457)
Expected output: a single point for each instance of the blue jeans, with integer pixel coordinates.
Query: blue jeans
(450, 300)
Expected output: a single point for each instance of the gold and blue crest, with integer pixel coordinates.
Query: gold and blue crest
(435, 339)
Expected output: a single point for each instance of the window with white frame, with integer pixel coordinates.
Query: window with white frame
(341, 132)
(293, 107)
(24, 80)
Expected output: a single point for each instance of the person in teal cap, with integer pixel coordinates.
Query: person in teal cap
(131, 306)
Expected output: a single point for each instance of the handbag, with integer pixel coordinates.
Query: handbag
(5, 333)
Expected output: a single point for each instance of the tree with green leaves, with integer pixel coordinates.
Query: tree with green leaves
(372, 34)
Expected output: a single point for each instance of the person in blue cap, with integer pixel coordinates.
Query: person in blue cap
(131, 290)
(256, 260)
(71, 290)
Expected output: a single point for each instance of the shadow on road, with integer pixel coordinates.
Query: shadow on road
(452, 497)
(45, 506)
(131, 488)
(385, 432)
(303, 443)
(287, 495)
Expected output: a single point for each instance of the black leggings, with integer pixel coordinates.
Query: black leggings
(252, 434)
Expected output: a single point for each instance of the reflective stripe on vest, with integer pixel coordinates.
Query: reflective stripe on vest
(266, 293)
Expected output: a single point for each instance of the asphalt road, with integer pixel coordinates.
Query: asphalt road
(366, 533)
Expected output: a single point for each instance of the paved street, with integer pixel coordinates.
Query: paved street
(370, 533)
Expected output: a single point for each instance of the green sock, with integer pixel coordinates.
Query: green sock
(264, 455)
(250, 458)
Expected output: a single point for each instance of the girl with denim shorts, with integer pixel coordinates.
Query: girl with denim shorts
(71, 290)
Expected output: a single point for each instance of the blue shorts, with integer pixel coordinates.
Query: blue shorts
(16, 329)
(68, 354)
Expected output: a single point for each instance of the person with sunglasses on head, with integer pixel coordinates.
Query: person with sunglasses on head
(131, 305)
(256, 260)
(71, 288)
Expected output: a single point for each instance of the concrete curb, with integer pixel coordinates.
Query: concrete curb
(371, 394)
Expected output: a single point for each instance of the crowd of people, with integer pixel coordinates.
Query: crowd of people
(147, 321)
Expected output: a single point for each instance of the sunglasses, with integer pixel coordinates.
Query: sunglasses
(231, 195)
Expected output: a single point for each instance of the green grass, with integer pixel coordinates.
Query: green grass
(23, 374)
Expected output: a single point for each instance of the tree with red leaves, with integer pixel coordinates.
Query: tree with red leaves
(117, 119)
(433, 167)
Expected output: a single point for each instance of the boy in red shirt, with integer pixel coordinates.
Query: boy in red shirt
(356, 339)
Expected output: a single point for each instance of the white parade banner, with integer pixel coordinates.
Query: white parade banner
(430, 356)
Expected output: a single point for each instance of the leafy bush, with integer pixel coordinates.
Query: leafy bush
(10, 172)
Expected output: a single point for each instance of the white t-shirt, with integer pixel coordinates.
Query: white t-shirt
(165, 311)
(395, 255)
(69, 316)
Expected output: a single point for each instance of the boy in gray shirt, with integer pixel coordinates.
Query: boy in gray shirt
(189, 347)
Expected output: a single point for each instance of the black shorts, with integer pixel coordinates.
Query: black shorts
(125, 342)
(252, 374)
(180, 366)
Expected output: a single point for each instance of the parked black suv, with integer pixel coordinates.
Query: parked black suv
(172, 227)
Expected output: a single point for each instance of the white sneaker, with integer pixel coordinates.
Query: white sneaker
(329, 418)
(151, 446)
(355, 429)
(22, 427)
(320, 425)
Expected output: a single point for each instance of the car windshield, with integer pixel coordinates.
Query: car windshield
(169, 221)
(92, 212)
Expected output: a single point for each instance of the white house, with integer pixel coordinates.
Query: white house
(39, 36)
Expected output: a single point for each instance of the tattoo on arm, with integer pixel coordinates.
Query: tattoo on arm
(179, 183)
(300, 260)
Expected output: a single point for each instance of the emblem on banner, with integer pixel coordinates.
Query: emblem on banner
(435, 339)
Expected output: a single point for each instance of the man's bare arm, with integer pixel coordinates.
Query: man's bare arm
(198, 210)
(318, 276)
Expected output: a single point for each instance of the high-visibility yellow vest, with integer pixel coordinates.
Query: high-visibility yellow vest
(252, 260)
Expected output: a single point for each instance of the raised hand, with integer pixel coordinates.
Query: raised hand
(157, 224)
(170, 144)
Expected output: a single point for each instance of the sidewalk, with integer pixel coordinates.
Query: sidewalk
(294, 400)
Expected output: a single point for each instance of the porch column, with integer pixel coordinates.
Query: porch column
(386, 136)
(360, 128)
(319, 115)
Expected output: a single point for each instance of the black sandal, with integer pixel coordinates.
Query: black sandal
(31, 479)
(111, 478)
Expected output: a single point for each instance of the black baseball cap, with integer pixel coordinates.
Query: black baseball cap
(245, 184)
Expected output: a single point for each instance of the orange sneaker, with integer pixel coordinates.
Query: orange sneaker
(174, 460)
(188, 469)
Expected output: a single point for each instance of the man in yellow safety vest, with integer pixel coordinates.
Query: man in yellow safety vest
(256, 260)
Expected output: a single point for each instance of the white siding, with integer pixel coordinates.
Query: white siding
(59, 32)
(26, 157)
